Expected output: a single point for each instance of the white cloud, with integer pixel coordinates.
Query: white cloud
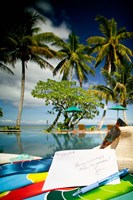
(62, 30)
(10, 85)
(10, 88)
(44, 6)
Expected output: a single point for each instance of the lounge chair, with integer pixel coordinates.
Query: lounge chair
(109, 126)
(81, 128)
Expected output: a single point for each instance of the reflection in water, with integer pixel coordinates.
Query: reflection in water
(19, 142)
(45, 144)
(74, 141)
(18, 139)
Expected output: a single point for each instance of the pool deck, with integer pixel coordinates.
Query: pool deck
(76, 131)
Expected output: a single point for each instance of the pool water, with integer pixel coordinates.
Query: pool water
(33, 141)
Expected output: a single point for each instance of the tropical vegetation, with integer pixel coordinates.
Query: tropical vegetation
(24, 44)
(110, 48)
(76, 61)
(118, 86)
(64, 94)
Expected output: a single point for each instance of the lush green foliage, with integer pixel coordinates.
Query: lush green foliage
(110, 47)
(76, 60)
(110, 50)
(23, 42)
(119, 86)
(65, 94)
(13, 128)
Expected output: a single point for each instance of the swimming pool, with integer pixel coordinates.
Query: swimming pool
(33, 141)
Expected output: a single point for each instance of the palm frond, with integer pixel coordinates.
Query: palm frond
(59, 66)
(121, 30)
(125, 35)
(108, 78)
(103, 92)
(41, 62)
(3, 67)
(45, 51)
(104, 25)
(47, 37)
(124, 51)
(96, 40)
(113, 27)
(102, 53)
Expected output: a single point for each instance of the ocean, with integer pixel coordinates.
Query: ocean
(33, 140)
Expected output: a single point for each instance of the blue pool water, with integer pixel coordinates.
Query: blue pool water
(32, 140)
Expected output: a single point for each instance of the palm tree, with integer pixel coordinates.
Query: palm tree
(124, 85)
(120, 84)
(110, 48)
(75, 60)
(24, 43)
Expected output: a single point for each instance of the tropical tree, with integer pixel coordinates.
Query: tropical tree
(123, 89)
(75, 60)
(120, 84)
(24, 42)
(64, 94)
(109, 48)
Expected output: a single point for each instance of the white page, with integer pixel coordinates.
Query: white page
(71, 168)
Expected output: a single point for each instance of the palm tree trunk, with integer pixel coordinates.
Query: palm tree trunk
(103, 116)
(20, 108)
(106, 102)
(125, 117)
(19, 143)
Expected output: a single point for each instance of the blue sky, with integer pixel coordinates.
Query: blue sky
(62, 17)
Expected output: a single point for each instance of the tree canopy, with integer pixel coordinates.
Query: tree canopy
(65, 94)
(76, 60)
(23, 42)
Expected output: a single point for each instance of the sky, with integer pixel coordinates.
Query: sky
(62, 17)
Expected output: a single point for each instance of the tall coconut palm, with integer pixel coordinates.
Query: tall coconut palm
(120, 84)
(24, 43)
(75, 60)
(109, 47)
(124, 85)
